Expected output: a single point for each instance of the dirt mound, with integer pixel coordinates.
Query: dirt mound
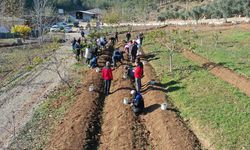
(167, 130)
(223, 73)
(71, 133)
(117, 118)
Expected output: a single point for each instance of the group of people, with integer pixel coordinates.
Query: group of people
(132, 47)
(88, 49)
(135, 74)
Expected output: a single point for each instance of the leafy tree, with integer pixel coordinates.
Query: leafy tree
(22, 30)
(111, 17)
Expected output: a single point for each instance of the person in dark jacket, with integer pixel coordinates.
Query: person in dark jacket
(134, 51)
(116, 36)
(73, 42)
(93, 62)
(78, 51)
(141, 37)
(117, 56)
(108, 77)
(137, 103)
(128, 36)
(138, 75)
(83, 34)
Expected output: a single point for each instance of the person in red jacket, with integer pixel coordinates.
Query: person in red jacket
(108, 77)
(138, 72)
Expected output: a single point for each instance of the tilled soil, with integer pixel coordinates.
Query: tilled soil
(120, 129)
(80, 128)
(221, 72)
(72, 132)
(167, 129)
(117, 117)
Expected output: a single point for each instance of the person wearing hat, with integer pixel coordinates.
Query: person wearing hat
(108, 77)
(137, 102)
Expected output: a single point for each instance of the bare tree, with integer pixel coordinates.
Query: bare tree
(41, 9)
(56, 66)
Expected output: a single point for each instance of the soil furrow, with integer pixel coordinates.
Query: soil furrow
(140, 139)
(167, 130)
(117, 117)
(80, 128)
(73, 131)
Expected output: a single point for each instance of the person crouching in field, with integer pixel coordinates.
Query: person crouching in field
(117, 56)
(108, 77)
(137, 103)
(128, 72)
(93, 62)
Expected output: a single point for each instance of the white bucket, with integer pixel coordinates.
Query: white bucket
(125, 76)
(97, 69)
(91, 88)
(125, 101)
(164, 106)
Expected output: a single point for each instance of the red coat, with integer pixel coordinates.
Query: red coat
(107, 73)
(138, 72)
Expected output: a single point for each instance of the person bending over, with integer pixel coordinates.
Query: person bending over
(137, 103)
(93, 62)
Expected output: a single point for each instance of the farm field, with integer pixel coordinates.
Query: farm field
(217, 112)
(16, 61)
(227, 46)
(204, 112)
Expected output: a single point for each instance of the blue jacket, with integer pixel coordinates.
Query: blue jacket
(138, 101)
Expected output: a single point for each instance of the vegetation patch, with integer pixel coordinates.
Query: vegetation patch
(219, 110)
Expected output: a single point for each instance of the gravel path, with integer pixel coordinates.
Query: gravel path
(21, 100)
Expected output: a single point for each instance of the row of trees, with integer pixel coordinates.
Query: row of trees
(215, 9)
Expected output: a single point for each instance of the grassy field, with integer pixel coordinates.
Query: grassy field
(15, 61)
(228, 47)
(36, 132)
(219, 111)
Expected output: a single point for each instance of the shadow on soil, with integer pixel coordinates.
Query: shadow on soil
(124, 88)
(151, 108)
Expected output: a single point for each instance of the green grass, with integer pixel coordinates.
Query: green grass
(49, 114)
(232, 49)
(220, 111)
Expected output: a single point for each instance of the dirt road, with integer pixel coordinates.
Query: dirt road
(18, 103)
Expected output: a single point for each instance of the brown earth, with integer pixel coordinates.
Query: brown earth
(167, 129)
(71, 132)
(221, 72)
(117, 118)
(155, 129)
(158, 129)
(79, 127)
